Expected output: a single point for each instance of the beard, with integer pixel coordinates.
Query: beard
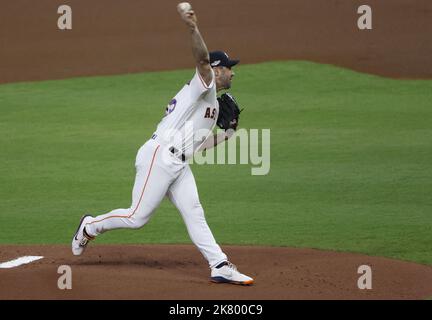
(227, 84)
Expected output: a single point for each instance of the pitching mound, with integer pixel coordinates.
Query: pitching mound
(166, 272)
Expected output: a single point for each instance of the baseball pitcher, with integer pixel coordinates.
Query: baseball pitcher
(161, 167)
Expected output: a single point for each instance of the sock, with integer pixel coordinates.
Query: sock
(87, 235)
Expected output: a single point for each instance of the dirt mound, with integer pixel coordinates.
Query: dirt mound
(165, 272)
(112, 37)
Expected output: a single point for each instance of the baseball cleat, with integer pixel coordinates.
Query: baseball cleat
(81, 238)
(226, 272)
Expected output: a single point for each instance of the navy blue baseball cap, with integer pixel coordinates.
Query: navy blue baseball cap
(221, 59)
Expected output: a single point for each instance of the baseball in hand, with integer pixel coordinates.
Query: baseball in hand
(184, 7)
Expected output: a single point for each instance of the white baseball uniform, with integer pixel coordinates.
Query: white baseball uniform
(161, 170)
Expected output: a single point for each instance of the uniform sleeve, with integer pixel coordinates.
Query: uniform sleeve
(198, 86)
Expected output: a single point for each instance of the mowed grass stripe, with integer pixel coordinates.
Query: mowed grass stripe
(351, 160)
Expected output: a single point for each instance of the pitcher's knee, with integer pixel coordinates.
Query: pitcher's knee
(136, 221)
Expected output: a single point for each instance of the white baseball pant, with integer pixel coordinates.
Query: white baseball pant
(159, 173)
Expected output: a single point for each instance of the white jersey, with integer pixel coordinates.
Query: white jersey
(190, 116)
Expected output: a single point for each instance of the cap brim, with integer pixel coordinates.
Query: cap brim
(232, 63)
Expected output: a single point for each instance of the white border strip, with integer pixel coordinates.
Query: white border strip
(19, 261)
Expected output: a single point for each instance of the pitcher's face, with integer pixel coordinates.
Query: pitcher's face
(224, 76)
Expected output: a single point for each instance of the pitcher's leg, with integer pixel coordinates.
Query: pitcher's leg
(151, 184)
(184, 195)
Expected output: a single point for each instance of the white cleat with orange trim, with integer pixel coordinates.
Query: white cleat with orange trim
(81, 238)
(226, 272)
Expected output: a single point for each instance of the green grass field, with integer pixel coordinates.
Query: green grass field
(351, 160)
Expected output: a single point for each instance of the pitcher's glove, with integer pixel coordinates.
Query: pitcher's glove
(229, 112)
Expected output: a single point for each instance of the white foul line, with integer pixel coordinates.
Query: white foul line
(19, 261)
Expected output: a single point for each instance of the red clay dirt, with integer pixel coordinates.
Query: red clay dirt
(179, 272)
(112, 37)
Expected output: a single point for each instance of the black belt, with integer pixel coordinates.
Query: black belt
(172, 149)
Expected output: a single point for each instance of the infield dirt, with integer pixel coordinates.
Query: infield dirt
(113, 37)
(180, 272)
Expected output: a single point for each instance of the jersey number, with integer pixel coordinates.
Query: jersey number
(210, 113)
(171, 106)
